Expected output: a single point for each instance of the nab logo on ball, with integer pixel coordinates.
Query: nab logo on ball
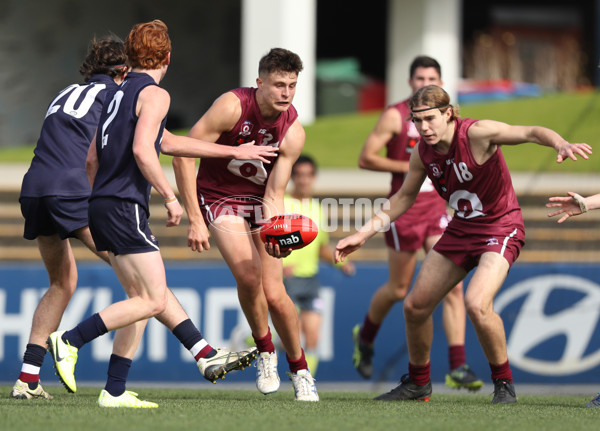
(289, 231)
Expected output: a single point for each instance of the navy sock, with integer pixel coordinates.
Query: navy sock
(87, 330)
(191, 338)
(118, 369)
(34, 355)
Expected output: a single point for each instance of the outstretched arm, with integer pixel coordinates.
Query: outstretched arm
(399, 203)
(572, 205)
(221, 117)
(183, 146)
(152, 107)
(490, 133)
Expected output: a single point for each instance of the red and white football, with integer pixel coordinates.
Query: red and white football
(289, 231)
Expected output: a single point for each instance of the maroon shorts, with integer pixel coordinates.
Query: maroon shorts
(248, 208)
(410, 235)
(464, 246)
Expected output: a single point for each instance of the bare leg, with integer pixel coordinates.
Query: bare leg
(401, 270)
(62, 272)
(310, 322)
(483, 287)
(84, 235)
(235, 243)
(142, 274)
(282, 308)
(438, 275)
(455, 316)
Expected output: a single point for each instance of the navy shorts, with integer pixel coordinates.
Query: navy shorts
(304, 291)
(50, 215)
(120, 226)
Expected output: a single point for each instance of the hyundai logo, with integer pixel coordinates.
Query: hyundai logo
(554, 325)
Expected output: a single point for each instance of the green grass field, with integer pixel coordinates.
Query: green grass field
(244, 409)
(335, 141)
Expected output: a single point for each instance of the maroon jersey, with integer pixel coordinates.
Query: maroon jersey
(218, 178)
(400, 147)
(481, 194)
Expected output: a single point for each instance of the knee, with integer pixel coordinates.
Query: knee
(413, 312)
(396, 290)
(456, 294)
(276, 298)
(249, 278)
(476, 311)
(65, 286)
(157, 305)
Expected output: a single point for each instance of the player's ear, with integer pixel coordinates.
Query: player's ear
(168, 58)
(259, 82)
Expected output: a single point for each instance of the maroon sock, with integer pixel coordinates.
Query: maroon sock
(369, 330)
(420, 374)
(457, 356)
(29, 378)
(501, 372)
(297, 364)
(264, 344)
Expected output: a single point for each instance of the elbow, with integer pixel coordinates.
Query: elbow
(364, 162)
(167, 148)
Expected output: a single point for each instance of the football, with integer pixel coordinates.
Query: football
(289, 231)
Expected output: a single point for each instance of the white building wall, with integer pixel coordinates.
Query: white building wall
(289, 24)
(425, 27)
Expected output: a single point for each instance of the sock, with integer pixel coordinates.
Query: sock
(87, 330)
(457, 356)
(298, 364)
(33, 359)
(369, 330)
(265, 344)
(420, 374)
(501, 372)
(192, 339)
(118, 369)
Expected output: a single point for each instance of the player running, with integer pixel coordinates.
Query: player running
(420, 227)
(234, 198)
(122, 166)
(462, 158)
(54, 196)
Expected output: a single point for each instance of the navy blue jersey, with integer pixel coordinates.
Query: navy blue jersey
(58, 164)
(118, 174)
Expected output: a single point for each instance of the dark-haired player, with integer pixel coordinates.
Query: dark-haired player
(54, 196)
(463, 160)
(123, 165)
(418, 228)
(233, 198)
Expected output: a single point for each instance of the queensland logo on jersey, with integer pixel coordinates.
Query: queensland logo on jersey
(246, 129)
(436, 170)
(552, 324)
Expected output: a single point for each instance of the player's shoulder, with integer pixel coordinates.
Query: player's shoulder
(296, 132)
(155, 94)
